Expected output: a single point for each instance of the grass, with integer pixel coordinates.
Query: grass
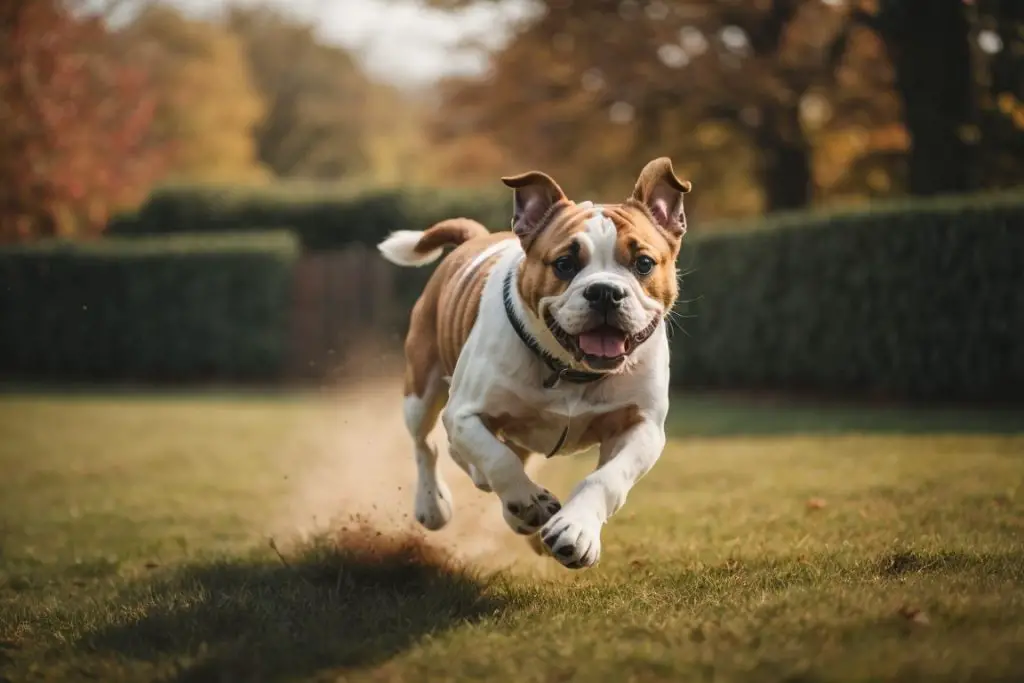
(771, 543)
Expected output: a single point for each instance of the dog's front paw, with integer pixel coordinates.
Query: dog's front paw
(573, 539)
(527, 510)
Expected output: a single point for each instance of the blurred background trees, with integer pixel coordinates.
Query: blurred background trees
(248, 155)
(209, 108)
(76, 123)
(767, 105)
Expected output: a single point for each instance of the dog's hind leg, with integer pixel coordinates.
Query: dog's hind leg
(433, 498)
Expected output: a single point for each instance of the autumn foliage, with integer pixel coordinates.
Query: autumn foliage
(766, 105)
(74, 124)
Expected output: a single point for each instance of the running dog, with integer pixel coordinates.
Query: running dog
(549, 338)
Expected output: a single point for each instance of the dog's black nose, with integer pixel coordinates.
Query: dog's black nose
(602, 295)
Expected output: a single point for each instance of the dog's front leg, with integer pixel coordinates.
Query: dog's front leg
(574, 535)
(524, 505)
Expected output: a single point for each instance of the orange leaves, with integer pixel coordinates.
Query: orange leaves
(74, 131)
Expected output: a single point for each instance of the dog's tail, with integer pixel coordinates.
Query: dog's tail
(414, 248)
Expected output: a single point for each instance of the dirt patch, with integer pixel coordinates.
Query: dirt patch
(363, 476)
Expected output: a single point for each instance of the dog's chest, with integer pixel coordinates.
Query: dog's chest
(549, 435)
(558, 428)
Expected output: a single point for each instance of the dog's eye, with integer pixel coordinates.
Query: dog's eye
(565, 267)
(644, 265)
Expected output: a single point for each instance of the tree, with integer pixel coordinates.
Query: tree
(928, 44)
(740, 73)
(998, 40)
(315, 119)
(75, 124)
(209, 108)
(395, 145)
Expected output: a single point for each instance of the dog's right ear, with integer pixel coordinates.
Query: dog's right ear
(533, 195)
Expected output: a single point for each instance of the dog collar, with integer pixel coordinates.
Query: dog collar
(559, 370)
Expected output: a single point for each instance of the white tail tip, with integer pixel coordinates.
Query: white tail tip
(400, 248)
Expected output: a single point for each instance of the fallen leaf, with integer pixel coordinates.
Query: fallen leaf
(914, 614)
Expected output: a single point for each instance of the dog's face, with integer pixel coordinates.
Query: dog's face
(600, 277)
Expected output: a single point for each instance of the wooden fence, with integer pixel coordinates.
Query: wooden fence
(340, 299)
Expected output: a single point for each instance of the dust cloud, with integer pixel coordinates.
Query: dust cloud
(362, 475)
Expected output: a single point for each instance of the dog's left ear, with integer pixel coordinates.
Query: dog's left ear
(662, 192)
(533, 195)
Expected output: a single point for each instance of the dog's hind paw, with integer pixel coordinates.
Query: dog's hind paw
(433, 505)
(573, 540)
(527, 512)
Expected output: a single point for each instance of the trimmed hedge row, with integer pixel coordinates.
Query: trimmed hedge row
(172, 308)
(322, 218)
(922, 299)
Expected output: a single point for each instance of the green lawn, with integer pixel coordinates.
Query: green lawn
(771, 543)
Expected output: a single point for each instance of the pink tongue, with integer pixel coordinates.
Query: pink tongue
(603, 343)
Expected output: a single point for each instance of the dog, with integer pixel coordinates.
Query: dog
(547, 339)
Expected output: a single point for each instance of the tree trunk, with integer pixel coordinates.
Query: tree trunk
(785, 160)
(927, 41)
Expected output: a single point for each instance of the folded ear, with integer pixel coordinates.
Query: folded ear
(533, 195)
(662, 192)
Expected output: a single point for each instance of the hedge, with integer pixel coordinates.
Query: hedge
(169, 308)
(920, 299)
(913, 299)
(322, 217)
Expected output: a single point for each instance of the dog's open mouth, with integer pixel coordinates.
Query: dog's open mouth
(604, 342)
(604, 347)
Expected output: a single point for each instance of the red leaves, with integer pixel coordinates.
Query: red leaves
(75, 124)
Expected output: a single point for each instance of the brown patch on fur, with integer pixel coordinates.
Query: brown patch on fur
(638, 236)
(537, 278)
(445, 313)
(497, 424)
(450, 232)
(600, 428)
(611, 424)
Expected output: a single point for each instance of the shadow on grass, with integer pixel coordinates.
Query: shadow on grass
(335, 606)
(711, 415)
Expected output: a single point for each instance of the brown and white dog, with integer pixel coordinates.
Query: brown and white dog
(546, 339)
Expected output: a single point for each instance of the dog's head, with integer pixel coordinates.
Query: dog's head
(600, 277)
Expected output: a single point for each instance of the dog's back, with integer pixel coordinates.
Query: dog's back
(448, 307)
(439, 325)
